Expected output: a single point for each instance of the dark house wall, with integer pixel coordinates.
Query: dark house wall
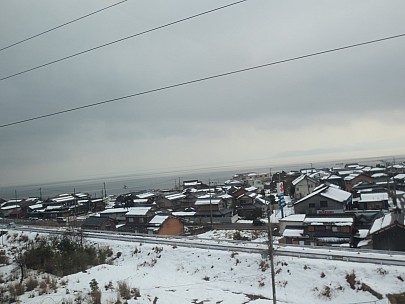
(390, 239)
(312, 204)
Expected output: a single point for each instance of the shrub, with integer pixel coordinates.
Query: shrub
(43, 287)
(31, 284)
(326, 292)
(322, 275)
(96, 297)
(63, 256)
(351, 279)
(264, 265)
(3, 258)
(238, 237)
(124, 290)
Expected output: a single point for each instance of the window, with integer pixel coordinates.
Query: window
(141, 220)
(346, 229)
(130, 220)
(324, 204)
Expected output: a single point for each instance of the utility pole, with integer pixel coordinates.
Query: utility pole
(209, 192)
(271, 256)
(40, 194)
(105, 191)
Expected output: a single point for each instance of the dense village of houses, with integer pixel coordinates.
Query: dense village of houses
(352, 205)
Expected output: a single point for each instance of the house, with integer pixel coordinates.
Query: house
(319, 230)
(12, 211)
(248, 206)
(302, 186)
(98, 223)
(171, 201)
(194, 184)
(388, 232)
(212, 209)
(355, 178)
(328, 230)
(165, 225)
(399, 180)
(373, 201)
(137, 219)
(293, 221)
(380, 178)
(117, 214)
(333, 179)
(185, 216)
(326, 199)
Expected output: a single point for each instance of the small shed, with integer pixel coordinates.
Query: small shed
(388, 232)
(165, 225)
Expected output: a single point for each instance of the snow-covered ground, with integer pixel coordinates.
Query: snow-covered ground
(166, 274)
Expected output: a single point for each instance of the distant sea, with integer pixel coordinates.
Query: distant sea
(115, 185)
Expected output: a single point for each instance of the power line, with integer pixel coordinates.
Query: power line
(62, 25)
(121, 39)
(201, 80)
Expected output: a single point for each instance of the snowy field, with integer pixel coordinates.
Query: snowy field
(166, 274)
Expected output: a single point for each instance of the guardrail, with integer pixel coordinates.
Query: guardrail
(311, 252)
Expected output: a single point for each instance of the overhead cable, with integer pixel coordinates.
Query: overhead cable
(121, 39)
(62, 25)
(202, 79)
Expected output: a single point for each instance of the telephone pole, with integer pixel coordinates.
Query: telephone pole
(271, 256)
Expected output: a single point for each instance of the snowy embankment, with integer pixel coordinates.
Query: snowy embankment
(167, 274)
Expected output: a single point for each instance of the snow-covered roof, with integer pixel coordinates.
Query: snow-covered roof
(338, 221)
(328, 191)
(378, 175)
(351, 176)
(158, 220)
(115, 210)
(15, 201)
(251, 189)
(293, 218)
(225, 196)
(10, 207)
(191, 183)
(331, 177)
(381, 223)
(138, 211)
(140, 200)
(345, 172)
(293, 232)
(336, 194)
(36, 206)
(63, 199)
(145, 195)
(175, 196)
(53, 207)
(373, 197)
(377, 169)
(400, 176)
(183, 213)
(298, 179)
(213, 201)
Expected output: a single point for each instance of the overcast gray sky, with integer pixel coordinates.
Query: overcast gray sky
(339, 105)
